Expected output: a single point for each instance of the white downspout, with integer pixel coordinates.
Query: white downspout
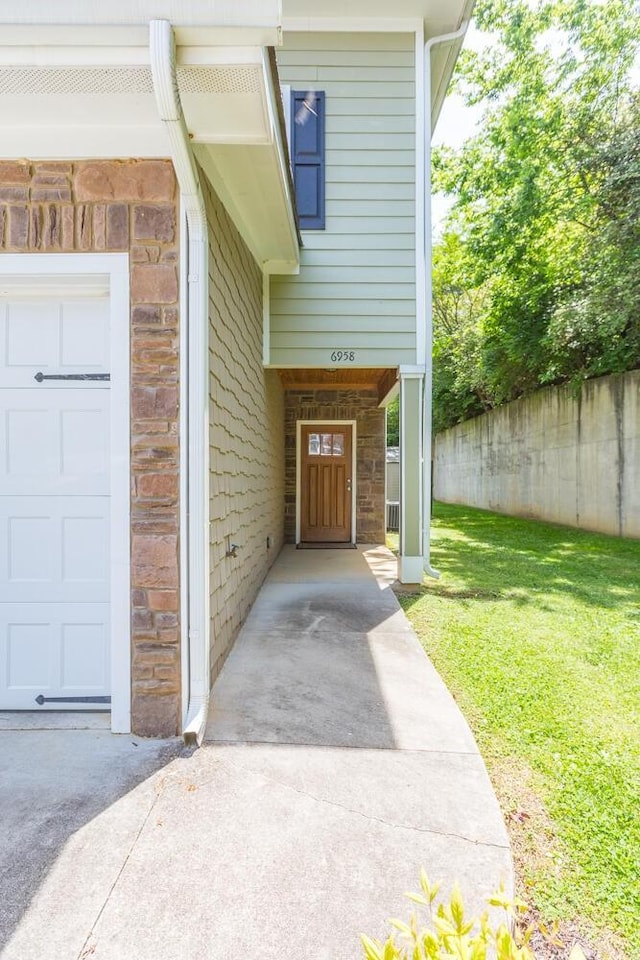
(428, 340)
(194, 393)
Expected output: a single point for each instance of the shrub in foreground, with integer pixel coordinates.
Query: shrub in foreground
(449, 933)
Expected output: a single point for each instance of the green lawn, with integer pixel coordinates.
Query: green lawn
(536, 630)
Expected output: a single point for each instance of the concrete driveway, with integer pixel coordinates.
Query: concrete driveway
(336, 764)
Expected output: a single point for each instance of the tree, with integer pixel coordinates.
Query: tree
(543, 201)
(393, 423)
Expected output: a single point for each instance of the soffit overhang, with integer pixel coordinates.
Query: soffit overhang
(91, 99)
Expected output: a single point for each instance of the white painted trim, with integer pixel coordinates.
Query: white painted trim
(354, 480)
(391, 395)
(405, 567)
(285, 92)
(351, 24)
(401, 432)
(163, 67)
(120, 495)
(266, 319)
(272, 93)
(114, 268)
(281, 267)
(71, 142)
(421, 225)
(45, 286)
(71, 57)
(183, 427)
(410, 569)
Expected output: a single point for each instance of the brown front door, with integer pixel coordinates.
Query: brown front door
(325, 500)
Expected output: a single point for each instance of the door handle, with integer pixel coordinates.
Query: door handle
(349, 484)
(71, 376)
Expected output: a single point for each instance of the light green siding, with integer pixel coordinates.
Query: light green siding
(356, 288)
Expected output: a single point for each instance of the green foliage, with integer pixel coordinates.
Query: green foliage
(459, 386)
(450, 933)
(536, 628)
(544, 235)
(595, 328)
(393, 423)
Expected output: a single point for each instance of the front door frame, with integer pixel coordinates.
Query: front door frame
(330, 423)
(114, 268)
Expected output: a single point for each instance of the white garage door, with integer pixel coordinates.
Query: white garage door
(54, 501)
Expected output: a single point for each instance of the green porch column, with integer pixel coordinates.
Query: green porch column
(410, 561)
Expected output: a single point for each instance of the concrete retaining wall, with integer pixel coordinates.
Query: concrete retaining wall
(552, 456)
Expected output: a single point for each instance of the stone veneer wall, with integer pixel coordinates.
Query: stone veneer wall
(246, 434)
(127, 206)
(361, 406)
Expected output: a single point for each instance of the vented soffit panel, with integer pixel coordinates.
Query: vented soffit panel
(224, 103)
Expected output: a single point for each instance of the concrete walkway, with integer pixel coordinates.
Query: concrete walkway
(336, 765)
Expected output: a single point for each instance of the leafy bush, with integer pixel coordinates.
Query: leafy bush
(450, 933)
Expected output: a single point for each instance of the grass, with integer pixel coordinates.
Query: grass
(536, 630)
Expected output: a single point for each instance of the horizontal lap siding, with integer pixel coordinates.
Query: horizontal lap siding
(356, 286)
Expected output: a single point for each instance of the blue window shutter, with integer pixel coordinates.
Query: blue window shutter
(307, 153)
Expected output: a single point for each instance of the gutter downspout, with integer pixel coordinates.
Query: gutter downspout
(427, 413)
(193, 393)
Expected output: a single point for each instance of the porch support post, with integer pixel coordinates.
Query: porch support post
(410, 561)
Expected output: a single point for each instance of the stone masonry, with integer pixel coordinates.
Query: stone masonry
(128, 206)
(246, 424)
(361, 406)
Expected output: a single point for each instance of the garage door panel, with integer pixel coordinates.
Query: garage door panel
(32, 333)
(54, 442)
(84, 335)
(60, 336)
(82, 448)
(53, 651)
(30, 657)
(54, 498)
(57, 549)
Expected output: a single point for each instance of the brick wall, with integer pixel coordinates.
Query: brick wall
(130, 206)
(358, 405)
(246, 434)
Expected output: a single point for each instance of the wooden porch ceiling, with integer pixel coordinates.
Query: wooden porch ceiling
(341, 378)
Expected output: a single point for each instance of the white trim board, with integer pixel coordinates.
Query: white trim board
(110, 269)
(351, 24)
(354, 480)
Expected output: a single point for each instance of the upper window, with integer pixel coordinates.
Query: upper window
(307, 156)
(326, 445)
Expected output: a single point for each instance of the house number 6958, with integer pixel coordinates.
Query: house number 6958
(344, 355)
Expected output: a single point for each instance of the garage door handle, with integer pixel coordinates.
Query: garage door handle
(40, 699)
(71, 376)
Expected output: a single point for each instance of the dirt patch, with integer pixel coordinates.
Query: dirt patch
(447, 593)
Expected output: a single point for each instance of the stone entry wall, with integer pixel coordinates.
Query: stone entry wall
(129, 206)
(361, 406)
